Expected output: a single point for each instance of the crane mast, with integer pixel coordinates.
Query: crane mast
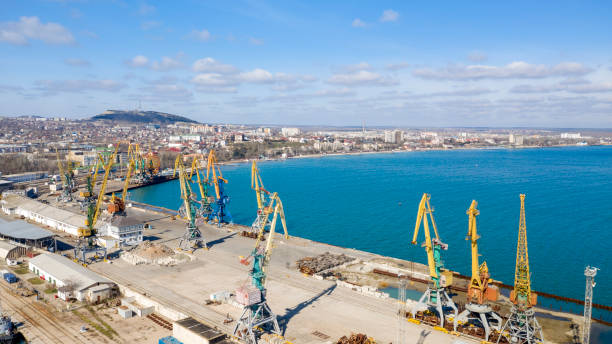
(435, 298)
(67, 179)
(522, 325)
(477, 311)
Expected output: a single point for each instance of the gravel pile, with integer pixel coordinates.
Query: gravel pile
(312, 265)
(153, 253)
(358, 338)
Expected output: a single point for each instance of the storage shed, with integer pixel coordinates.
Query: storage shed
(73, 280)
(11, 251)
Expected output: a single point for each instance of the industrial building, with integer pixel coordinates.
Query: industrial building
(11, 251)
(25, 177)
(43, 214)
(26, 234)
(125, 230)
(73, 281)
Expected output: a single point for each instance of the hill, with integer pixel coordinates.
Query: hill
(135, 116)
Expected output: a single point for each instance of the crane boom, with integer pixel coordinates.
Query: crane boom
(522, 294)
(423, 214)
(257, 185)
(126, 183)
(94, 212)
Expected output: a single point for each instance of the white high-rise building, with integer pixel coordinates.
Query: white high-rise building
(287, 132)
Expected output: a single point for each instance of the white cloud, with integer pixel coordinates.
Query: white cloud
(166, 92)
(150, 24)
(214, 79)
(77, 62)
(514, 70)
(138, 61)
(77, 86)
(477, 56)
(358, 23)
(146, 9)
(361, 78)
(31, 28)
(208, 64)
(572, 87)
(465, 92)
(340, 92)
(397, 66)
(389, 16)
(166, 63)
(202, 35)
(358, 66)
(257, 75)
(256, 41)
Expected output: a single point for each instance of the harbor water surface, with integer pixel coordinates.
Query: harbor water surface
(369, 202)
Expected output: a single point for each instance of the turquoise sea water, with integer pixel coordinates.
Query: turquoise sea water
(369, 202)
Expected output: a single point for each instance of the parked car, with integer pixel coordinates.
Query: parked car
(12, 262)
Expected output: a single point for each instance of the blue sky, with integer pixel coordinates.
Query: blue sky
(390, 63)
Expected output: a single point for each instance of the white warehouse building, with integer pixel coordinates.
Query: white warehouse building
(72, 280)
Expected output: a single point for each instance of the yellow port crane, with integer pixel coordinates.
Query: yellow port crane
(477, 312)
(205, 200)
(192, 239)
(87, 234)
(257, 316)
(522, 326)
(219, 211)
(264, 196)
(435, 298)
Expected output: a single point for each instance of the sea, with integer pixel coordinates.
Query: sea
(369, 202)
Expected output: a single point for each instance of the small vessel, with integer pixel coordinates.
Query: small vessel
(7, 329)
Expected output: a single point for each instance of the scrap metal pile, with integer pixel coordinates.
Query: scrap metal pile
(325, 261)
(358, 338)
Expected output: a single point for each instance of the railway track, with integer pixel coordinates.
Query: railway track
(45, 323)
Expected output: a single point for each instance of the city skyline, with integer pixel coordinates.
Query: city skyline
(388, 64)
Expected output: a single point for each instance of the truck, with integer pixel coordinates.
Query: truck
(10, 277)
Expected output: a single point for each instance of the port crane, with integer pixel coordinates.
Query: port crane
(219, 213)
(479, 290)
(205, 200)
(67, 175)
(257, 315)
(266, 203)
(192, 239)
(522, 326)
(87, 235)
(435, 297)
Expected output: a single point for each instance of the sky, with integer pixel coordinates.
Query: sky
(344, 63)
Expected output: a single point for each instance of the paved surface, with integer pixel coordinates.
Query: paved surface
(304, 305)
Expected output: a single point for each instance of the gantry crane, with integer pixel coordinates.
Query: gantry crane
(205, 200)
(479, 291)
(257, 316)
(87, 235)
(435, 297)
(522, 325)
(192, 239)
(266, 201)
(67, 175)
(219, 213)
(117, 205)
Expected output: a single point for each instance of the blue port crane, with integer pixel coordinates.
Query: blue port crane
(220, 214)
(435, 299)
(205, 199)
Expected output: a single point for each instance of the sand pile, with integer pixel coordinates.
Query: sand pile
(153, 253)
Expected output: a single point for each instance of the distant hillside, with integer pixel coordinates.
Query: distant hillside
(140, 117)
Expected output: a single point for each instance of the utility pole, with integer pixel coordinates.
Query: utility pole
(401, 313)
(590, 273)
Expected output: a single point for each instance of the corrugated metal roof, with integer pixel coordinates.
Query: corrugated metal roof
(5, 248)
(65, 270)
(23, 230)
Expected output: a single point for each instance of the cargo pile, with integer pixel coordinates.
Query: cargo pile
(358, 338)
(325, 261)
(153, 253)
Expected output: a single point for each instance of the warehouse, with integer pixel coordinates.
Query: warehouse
(26, 234)
(43, 214)
(73, 281)
(11, 251)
